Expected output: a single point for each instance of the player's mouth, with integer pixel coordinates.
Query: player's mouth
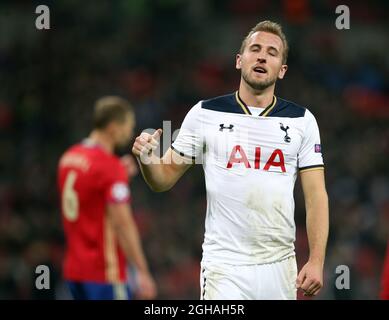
(259, 69)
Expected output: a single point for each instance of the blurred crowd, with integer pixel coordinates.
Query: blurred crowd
(165, 56)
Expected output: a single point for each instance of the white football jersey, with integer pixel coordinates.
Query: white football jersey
(250, 165)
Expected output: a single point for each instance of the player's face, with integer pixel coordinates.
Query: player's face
(124, 131)
(261, 61)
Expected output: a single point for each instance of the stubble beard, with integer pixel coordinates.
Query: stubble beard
(259, 85)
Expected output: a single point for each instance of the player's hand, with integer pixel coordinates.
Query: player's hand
(146, 143)
(146, 286)
(310, 278)
(130, 164)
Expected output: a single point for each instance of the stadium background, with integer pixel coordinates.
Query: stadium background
(164, 56)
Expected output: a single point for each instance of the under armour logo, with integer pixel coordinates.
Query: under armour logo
(286, 138)
(222, 127)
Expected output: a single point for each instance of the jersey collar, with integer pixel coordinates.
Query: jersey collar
(89, 143)
(246, 110)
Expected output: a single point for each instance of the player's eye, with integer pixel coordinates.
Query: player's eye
(273, 53)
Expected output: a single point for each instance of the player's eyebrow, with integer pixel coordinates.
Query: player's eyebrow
(258, 46)
(273, 48)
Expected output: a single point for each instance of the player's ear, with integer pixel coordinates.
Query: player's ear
(111, 128)
(282, 71)
(238, 62)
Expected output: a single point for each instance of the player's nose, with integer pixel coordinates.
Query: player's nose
(261, 58)
(261, 55)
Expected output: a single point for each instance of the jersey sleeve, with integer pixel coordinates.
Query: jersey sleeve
(310, 154)
(117, 189)
(189, 142)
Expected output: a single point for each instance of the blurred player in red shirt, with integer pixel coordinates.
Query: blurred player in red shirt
(385, 277)
(100, 232)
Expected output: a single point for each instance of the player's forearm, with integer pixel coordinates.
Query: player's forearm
(317, 225)
(152, 167)
(129, 241)
(155, 174)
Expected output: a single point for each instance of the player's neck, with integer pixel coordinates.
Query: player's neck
(102, 139)
(256, 98)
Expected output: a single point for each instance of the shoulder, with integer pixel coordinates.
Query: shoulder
(228, 103)
(225, 103)
(74, 156)
(74, 148)
(288, 109)
(82, 149)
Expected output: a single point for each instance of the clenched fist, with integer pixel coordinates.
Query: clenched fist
(310, 278)
(146, 143)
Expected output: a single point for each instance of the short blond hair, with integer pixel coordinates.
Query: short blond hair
(110, 109)
(271, 27)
